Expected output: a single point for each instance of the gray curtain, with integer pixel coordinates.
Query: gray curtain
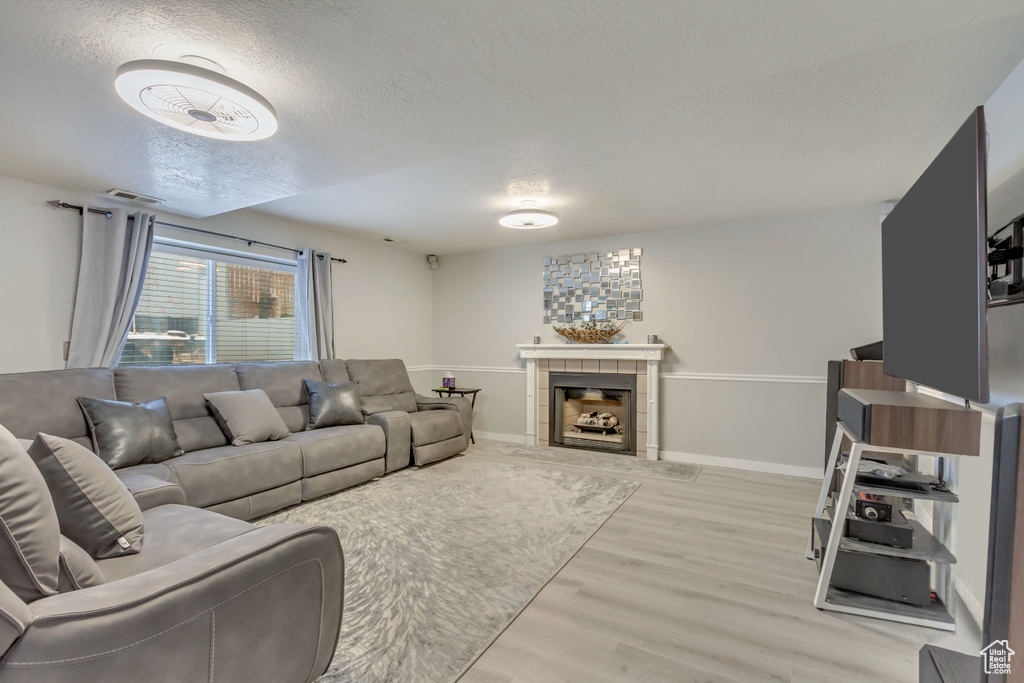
(314, 322)
(115, 254)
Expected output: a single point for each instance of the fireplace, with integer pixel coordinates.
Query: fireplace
(637, 360)
(594, 411)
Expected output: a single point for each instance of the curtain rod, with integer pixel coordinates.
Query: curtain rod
(107, 212)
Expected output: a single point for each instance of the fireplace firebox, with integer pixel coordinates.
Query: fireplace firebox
(593, 411)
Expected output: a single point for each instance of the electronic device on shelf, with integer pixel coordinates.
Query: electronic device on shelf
(896, 532)
(872, 507)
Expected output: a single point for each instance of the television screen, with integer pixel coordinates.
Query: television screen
(934, 291)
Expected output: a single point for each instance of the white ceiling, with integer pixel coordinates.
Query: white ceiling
(424, 121)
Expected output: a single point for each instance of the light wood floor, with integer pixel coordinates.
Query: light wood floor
(705, 581)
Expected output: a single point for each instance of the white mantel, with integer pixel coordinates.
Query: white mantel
(649, 353)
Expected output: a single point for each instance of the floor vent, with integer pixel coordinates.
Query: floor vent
(134, 196)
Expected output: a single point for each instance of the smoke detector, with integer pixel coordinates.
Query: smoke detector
(195, 100)
(133, 196)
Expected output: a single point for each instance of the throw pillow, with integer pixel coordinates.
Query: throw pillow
(77, 569)
(247, 416)
(126, 434)
(94, 508)
(332, 404)
(29, 532)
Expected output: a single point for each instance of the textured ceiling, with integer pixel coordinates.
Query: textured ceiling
(423, 121)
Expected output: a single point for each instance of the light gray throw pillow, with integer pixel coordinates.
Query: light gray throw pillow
(77, 569)
(247, 416)
(95, 509)
(29, 532)
(332, 404)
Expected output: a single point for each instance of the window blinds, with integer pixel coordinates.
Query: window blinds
(197, 310)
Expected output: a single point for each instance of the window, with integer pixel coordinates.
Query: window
(206, 305)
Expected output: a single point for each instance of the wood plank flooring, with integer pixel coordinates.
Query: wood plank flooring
(702, 581)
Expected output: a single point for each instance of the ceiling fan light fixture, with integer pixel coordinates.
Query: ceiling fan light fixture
(528, 219)
(195, 100)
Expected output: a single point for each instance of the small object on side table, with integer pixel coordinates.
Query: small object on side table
(461, 391)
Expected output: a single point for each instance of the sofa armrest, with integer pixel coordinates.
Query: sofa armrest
(461, 404)
(150, 492)
(398, 435)
(197, 618)
(15, 617)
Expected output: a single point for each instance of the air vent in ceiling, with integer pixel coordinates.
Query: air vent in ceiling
(134, 196)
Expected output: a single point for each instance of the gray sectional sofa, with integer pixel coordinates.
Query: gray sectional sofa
(210, 596)
(249, 481)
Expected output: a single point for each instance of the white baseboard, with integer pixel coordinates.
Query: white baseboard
(974, 605)
(496, 436)
(738, 464)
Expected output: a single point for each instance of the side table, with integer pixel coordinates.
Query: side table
(461, 391)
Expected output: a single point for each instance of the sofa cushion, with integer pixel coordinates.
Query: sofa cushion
(334, 371)
(183, 386)
(94, 508)
(33, 402)
(247, 416)
(331, 405)
(76, 569)
(333, 448)
(217, 475)
(126, 434)
(174, 532)
(432, 426)
(282, 383)
(383, 385)
(150, 492)
(29, 531)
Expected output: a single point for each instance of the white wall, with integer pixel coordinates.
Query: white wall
(752, 311)
(382, 295)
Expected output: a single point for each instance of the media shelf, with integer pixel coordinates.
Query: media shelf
(926, 547)
(865, 605)
(915, 478)
(937, 496)
(874, 579)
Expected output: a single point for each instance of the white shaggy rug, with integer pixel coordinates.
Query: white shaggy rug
(438, 560)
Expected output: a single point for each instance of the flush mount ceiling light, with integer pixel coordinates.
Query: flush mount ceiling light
(528, 218)
(195, 100)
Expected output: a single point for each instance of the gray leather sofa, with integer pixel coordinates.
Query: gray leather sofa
(209, 598)
(438, 427)
(249, 481)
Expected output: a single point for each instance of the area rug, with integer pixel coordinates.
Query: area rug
(438, 560)
(611, 462)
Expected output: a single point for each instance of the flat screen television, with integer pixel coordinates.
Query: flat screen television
(934, 279)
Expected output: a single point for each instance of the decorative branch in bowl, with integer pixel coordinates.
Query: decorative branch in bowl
(593, 332)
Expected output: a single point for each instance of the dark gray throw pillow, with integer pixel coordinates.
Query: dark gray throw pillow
(94, 508)
(333, 404)
(126, 434)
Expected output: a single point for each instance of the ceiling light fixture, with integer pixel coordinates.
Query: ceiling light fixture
(195, 100)
(528, 217)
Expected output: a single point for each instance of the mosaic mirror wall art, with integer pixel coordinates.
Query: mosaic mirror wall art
(593, 287)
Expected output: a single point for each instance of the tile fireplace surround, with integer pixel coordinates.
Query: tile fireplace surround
(641, 360)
